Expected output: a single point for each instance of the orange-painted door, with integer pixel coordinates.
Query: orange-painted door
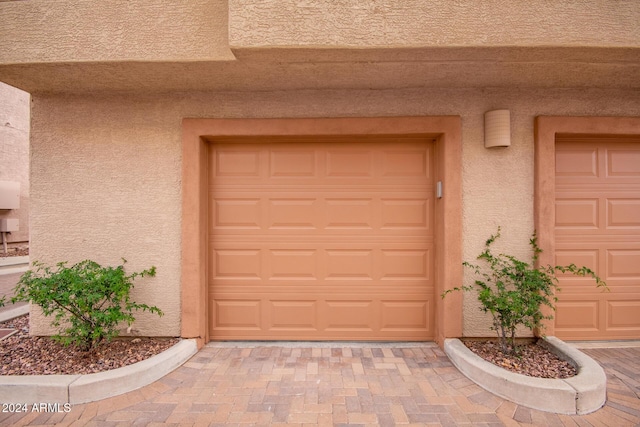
(597, 208)
(321, 239)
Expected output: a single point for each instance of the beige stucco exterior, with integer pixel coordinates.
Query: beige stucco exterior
(416, 23)
(79, 31)
(106, 126)
(75, 46)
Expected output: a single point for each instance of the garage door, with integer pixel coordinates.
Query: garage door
(321, 239)
(598, 225)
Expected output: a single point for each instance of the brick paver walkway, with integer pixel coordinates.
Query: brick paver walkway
(307, 385)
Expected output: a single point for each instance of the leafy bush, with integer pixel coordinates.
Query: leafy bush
(514, 291)
(88, 301)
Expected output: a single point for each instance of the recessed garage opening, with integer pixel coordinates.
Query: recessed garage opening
(321, 228)
(321, 238)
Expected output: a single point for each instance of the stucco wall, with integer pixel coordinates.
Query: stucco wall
(113, 30)
(165, 45)
(106, 170)
(14, 155)
(197, 30)
(432, 23)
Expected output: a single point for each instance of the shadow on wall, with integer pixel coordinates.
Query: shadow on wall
(14, 186)
(14, 173)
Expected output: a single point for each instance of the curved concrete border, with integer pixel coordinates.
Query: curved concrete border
(581, 394)
(30, 389)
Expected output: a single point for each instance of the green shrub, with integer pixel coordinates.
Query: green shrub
(514, 291)
(88, 301)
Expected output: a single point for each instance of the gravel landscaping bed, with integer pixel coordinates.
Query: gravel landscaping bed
(14, 252)
(21, 354)
(534, 360)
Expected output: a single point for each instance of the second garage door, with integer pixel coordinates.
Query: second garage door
(597, 207)
(321, 239)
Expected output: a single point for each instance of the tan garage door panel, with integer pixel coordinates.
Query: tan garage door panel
(321, 239)
(598, 225)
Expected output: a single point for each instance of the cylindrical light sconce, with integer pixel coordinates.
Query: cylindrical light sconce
(497, 128)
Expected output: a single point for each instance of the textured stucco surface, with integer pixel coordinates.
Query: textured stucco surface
(14, 154)
(106, 170)
(113, 30)
(287, 69)
(105, 178)
(201, 45)
(393, 23)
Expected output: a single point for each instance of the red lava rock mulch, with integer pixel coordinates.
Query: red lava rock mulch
(14, 252)
(21, 354)
(534, 360)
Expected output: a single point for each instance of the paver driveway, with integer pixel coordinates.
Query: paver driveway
(335, 384)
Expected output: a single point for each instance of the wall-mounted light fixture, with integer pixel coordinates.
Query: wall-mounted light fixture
(497, 128)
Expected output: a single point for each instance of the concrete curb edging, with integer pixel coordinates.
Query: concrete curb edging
(14, 312)
(21, 261)
(74, 389)
(14, 265)
(581, 394)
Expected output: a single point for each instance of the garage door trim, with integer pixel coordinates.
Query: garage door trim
(196, 134)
